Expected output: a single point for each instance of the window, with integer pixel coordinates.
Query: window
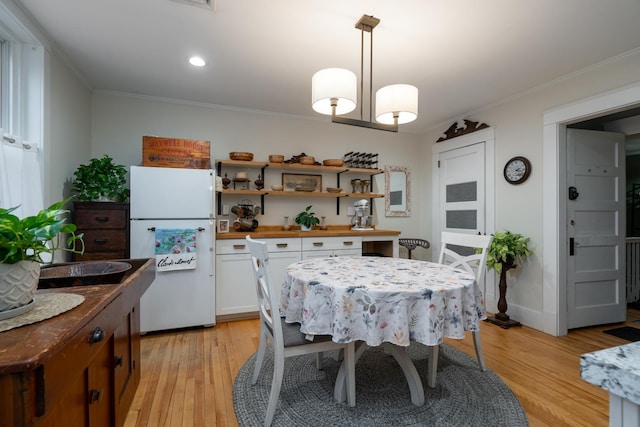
(21, 113)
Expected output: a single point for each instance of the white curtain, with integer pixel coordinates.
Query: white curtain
(20, 176)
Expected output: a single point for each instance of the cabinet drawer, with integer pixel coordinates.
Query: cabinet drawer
(233, 246)
(77, 355)
(331, 243)
(104, 240)
(283, 245)
(105, 218)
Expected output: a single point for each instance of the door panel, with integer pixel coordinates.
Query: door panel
(462, 189)
(595, 267)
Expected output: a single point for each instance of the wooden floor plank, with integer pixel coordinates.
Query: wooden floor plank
(187, 375)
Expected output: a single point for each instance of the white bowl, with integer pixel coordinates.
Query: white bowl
(276, 187)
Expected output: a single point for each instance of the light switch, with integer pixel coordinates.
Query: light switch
(225, 209)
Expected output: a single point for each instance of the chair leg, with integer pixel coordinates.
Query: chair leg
(260, 357)
(276, 384)
(432, 366)
(477, 343)
(319, 361)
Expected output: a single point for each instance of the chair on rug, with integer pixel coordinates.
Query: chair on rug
(458, 250)
(286, 338)
(411, 244)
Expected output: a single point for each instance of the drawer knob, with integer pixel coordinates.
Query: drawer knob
(238, 246)
(97, 335)
(282, 245)
(100, 241)
(347, 243)
(117, 361)
(102, 218)
(318, 243)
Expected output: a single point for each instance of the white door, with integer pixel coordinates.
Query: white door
(462, 187)
(596, 228)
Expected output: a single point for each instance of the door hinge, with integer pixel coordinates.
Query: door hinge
(438, 164)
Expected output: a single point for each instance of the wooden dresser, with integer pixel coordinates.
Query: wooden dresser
(106, 230)
(80, 368)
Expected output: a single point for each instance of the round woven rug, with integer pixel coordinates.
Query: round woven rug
(464, 396)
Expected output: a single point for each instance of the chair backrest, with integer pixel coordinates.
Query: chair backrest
(473, 263)
(268, 296)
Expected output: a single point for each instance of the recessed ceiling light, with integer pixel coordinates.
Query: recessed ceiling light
(197, 61)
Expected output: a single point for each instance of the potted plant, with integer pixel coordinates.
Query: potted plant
(506, 249)
(101, 180)
(23, 241)
(307, 219)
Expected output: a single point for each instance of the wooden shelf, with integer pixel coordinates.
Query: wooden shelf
(338, 170)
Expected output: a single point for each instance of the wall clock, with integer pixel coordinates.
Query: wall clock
(517, 170)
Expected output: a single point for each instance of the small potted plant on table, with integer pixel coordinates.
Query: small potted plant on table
(506, 249)
(307, 219)
(23, 241)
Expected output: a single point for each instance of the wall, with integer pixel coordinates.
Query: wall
(68, 134)
(120, 121)
(518, 126)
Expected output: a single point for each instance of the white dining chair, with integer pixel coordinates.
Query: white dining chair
(286, 338)
(458, 250)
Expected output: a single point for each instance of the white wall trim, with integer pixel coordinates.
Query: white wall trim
(554, 263)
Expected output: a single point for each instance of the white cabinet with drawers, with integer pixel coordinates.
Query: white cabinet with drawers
(321, 247)
(235, 286)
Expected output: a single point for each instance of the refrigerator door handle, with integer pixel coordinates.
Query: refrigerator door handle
(197, 229)
(212, 252)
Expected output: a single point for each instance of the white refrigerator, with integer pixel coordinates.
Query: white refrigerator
(181, 201)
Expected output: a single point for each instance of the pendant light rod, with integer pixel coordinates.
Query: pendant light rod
(398, 103)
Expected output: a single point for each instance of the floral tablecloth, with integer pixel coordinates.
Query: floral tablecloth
(376, 300)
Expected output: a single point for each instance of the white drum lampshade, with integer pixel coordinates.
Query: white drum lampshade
(398, 99)
(335, 83)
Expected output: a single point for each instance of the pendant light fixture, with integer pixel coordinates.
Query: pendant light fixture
(334, 92)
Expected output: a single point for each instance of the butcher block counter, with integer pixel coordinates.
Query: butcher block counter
(81, 367)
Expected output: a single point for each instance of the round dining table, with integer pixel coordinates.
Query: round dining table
(382, 301)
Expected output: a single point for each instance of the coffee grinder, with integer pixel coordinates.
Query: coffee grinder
(361, 220)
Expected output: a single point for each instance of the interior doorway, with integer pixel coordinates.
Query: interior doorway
(624, 102)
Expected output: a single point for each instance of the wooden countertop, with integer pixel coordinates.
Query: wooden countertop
(27, 347)
(269, 231)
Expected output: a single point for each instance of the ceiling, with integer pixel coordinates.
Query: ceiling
(461, 54)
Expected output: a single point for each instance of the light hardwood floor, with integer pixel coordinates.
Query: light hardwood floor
(187, 375)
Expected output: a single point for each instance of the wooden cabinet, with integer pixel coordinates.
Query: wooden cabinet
(106, 230)
(80, 368)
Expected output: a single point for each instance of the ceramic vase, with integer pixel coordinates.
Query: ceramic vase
(305, 228)
(18, 284)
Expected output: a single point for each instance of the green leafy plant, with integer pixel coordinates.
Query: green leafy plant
(101, 178)
(507, 248)
(30, 237)
(307, 218)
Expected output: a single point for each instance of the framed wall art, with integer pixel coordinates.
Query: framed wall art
(397, 191)
(301, 182)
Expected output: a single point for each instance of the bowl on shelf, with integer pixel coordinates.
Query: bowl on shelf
(334, 190)
(333, 162)
(241, 155)
(276, 158)
(277, 187)
(307, 160)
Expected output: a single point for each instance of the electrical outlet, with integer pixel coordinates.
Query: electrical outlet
(351, 211)
(225, 209)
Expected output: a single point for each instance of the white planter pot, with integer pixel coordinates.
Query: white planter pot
(305, 228)
(18, 284)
